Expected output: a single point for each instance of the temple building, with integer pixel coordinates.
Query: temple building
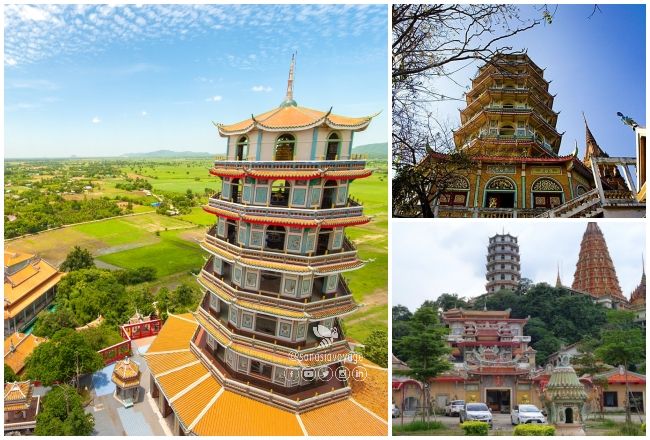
(21, 408)
(265, 353)
(492, 362)
(508, 131)
(637, 299)
(503, 263)
(17, 348)
(30, 286)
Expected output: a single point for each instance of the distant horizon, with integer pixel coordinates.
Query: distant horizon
(104, 80)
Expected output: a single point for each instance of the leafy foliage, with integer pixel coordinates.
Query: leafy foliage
(77, 259)
(376, 348)
(537, 430)
(417, 426)
(10, 376)
(62, 413)
(475, 428)
(135, 276)
(48, 323)
(60, 359)
(102, 336)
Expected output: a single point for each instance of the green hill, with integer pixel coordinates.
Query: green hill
(374, 151)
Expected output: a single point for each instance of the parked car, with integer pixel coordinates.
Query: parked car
(526, 414)
(396, 412)
(477, 412)
(454, 407)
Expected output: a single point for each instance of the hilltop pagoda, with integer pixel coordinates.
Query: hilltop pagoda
(267, 354)
(595, 272)
(508, 129)
(503, 263)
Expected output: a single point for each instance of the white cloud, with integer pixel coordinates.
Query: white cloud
(32, 13)
(10, 61)
(144, 113)
(261, 89)
(215, 98)
(96, 120)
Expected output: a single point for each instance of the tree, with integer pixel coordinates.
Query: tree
(426, 348)
(182, 297)
(376, 348)
(62, 413)
(10, 376)
(430, 42)
(77, 259)
(448, 301)
(48, 323)
(88, 293)
(66, 356)
(623, 347)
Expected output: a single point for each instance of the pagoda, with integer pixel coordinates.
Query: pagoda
(508, 130)
(565, 398)
(491, 360)
(503, 263)
(595, 273)
(267, 354)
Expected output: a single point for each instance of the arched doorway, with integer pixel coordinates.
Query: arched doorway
(241, 152)
(329, 195)
(547, 193)
(333, 143)
(284, 147)
(568, 415)
(411, 404)
(500, 192)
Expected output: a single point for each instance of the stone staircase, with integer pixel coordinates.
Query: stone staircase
(587, 205)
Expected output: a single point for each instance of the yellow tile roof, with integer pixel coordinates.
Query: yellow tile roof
(233, 414)
(175, 334)
(344, 418)
(189, 405)
(126, 369)
(159, 363)
(175, 382)
(372, 391)
(27, 285)
(23, 345)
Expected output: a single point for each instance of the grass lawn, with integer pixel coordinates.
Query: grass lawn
(199, 217)
(115, 232)
(172, 254)
(176, 175)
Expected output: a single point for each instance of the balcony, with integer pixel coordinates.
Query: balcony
(332, 165)
(280, 207)
(466, 212)
(322, 256)
(291, 397)
(220, 319)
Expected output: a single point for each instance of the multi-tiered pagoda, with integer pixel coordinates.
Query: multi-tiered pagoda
(503, 263)
(267, 354)
(508, 129)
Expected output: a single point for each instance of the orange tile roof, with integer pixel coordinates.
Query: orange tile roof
(372, 391)
(18, 395)
(12, 258)
(163, 362)
(293, 118)
(344, 418)
(233, 414)
(286, 174)
(23, 345)
(176, 381)
(175, 334)
(126, 372)
(27, 285)
(190, 405)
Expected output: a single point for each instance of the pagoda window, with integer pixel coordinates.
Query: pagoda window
(547, 193)
(508, 105)
(221, 227)
(214, 302)
(289, 285)
(305, 286)
(323, 241)
(500, 192)
(270, 282)
(247, 320)
(266, 325)
(231, 231)
(280, 191)
(252, 280)
(241, 152)
(284, 330)
(237, 274)
(521, 128)
(314, 197)
(294, 240)
(299, 193)
(233, 315)
(301, 331)
(285, 147)
(230, 358)
(261, 369)
(342, 195)
(280, 375)
(247, 193)
(337, 240)
(329, 195)
(256, 236)
(217, 265)
(242, 364)
(261, 193)
(331, 282)
(275, 237)
(243, 233)
(235, 187)
(333, 144)
(310, 243)
(506, 130)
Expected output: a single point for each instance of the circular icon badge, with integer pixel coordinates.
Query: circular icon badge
(359, 373)
(308, 374)
(342, 373)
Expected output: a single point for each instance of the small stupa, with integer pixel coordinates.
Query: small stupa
(565, 399)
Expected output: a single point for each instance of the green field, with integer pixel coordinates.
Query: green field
(199, 217)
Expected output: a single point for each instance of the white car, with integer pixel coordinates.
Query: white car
(476, 412)
(454, 407)
(395, 411)
(526, 414)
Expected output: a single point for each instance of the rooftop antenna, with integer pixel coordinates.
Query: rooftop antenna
(288, 100)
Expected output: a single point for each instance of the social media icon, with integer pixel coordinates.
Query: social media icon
(342, 373)
(325, 374)
(359, 373)
(308, 375)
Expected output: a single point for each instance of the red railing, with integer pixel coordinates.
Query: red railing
(115, 352)
(129, 332)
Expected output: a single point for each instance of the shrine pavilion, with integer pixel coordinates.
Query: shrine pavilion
(21, 408)
(263, 353)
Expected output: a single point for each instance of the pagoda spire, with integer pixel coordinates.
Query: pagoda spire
(595, 272)
(638, 295)
(558, 281)
(592, 149)
(288, 100)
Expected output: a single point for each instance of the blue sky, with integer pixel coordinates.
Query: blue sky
(597, 65)
(100, 80)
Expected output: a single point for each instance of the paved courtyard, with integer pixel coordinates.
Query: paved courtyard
(111, 417)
